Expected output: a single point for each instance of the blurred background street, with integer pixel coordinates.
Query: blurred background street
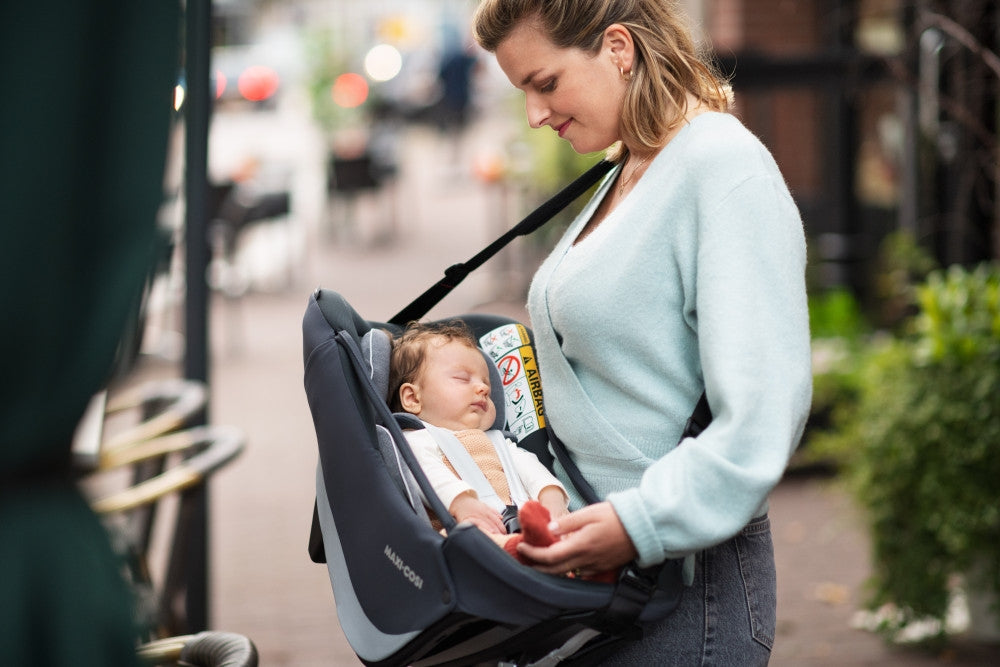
(341, 160)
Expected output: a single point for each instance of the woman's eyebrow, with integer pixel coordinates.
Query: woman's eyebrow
(530, 76)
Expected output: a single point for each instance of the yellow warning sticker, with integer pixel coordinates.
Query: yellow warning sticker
(510, 349)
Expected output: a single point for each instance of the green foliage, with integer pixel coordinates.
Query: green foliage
(836, 314)
(922, 445)
(838, 329)
(901, 265)
(841, 374)
(959, 321)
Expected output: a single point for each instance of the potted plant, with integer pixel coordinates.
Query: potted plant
(921, 444)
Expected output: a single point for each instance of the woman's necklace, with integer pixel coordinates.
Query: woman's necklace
(623, 181)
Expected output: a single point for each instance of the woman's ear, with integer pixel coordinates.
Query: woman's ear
(618, 43)
(409, 398)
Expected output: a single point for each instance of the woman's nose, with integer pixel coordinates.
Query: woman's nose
(537, 112)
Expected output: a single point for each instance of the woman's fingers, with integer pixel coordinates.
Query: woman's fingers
(592, 540)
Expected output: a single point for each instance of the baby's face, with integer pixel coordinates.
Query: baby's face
(453, 387)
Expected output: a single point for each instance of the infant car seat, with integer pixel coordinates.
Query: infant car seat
(405, 594)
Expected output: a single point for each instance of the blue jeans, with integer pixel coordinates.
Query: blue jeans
(726, 617)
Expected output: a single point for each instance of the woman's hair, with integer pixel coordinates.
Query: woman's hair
(667, 66)
(409, 350)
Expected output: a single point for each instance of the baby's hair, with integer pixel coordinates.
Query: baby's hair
(409, 350)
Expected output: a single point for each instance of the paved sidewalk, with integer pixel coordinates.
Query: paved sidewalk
(264, 585)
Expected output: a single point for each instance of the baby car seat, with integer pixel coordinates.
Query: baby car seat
(405, 593)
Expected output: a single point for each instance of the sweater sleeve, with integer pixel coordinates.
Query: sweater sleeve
(753, 345)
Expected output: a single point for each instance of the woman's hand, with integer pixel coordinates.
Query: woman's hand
(466, 507)
(592, 540)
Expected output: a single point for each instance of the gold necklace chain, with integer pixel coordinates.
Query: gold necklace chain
(623, 181)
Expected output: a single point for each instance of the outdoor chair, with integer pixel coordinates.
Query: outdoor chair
(145, 464)
(187, 458)
(205, 649)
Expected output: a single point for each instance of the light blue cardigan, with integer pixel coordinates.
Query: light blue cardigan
(695, 281)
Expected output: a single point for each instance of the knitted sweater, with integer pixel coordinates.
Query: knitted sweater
(694, 282)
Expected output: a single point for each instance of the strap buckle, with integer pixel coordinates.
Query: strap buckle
(632, 592)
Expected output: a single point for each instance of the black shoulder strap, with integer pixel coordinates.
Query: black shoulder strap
(455, 274)
(696, 423)
(699, 419)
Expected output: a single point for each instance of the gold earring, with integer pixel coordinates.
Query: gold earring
(625, 75)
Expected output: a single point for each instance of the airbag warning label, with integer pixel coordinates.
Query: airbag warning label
(510, 349)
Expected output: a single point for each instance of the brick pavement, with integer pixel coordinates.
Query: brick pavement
(264, 585)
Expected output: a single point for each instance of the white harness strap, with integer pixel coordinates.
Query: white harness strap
(470, 473)
(518, 495)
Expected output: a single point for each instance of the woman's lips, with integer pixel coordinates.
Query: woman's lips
(562, 128)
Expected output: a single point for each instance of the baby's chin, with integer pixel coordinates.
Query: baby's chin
(480, 422)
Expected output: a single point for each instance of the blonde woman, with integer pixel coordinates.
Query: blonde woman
(683, 275)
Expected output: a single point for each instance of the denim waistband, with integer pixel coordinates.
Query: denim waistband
(756, 525)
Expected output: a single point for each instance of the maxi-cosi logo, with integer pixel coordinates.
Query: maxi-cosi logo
(410, 575)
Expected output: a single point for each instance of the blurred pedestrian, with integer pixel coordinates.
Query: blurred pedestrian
(455, 78)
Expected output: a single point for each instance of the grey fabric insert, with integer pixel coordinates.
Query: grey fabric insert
(376, 349)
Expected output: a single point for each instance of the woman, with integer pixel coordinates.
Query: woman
(683, 275)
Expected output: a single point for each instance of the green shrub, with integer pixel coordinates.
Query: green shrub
(839, 330)
(925, 442)
(901, 265)
(835, 313)
(841, 371)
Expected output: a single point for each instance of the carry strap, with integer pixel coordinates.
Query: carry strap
(699, 419)
(455, 274)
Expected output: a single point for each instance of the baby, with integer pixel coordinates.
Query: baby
(439, 374)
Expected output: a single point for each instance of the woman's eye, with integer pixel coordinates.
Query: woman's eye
(548, 86)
